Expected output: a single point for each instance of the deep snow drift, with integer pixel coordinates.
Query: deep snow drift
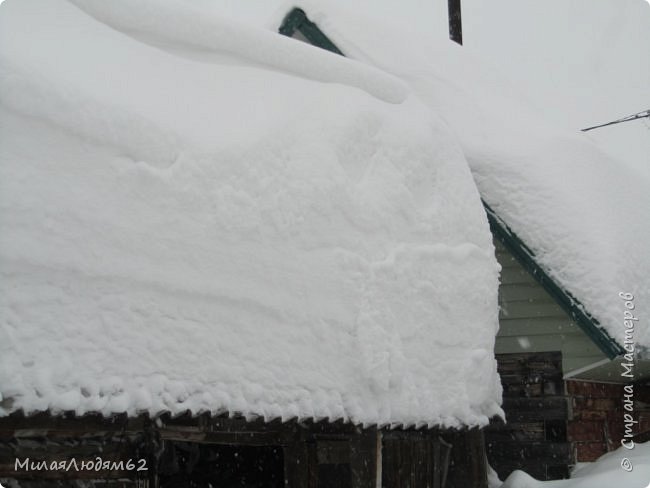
(185, 224)
(607, 472)
(583, 212)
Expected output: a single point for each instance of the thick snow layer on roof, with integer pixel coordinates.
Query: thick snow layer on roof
(186, 224)
(583, 62)
(582, 212)
(606, 472)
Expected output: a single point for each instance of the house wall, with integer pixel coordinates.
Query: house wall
(597, 422)
(534, 439)
(596, 426)
(531, 321)
(231, 450)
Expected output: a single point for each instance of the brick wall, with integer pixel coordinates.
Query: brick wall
(642, 406)
(596, 424)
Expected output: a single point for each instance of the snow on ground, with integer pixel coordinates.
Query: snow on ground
(604, 473)
(186, 224)
(583, 212)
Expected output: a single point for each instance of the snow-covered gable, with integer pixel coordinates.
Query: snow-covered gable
(583, 213)
(192, 221)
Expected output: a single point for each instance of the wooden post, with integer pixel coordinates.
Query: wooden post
(455, 21)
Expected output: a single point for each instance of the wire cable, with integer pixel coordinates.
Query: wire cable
(636, 116)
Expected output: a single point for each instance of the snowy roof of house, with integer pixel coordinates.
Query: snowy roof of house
(200, 215)
(581, 213)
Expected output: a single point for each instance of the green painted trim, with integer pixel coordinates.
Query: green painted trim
(292, 21)
(564, 298)
(297, 20)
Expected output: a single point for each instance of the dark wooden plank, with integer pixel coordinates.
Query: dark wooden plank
(226, 438)
(333, 452)
(390, 462)
(432, 467)
(542, 452)
(468, 462)
(312, 465)
(555, 430)
(44, 423)
(549, 360)
(445, 456)
(296, 465)
(557, 472)
(420, 463)
(363, 459)
(477, 450)
(526, 431)
(535, 409)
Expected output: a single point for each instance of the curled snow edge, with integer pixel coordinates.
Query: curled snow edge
(201, 231)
